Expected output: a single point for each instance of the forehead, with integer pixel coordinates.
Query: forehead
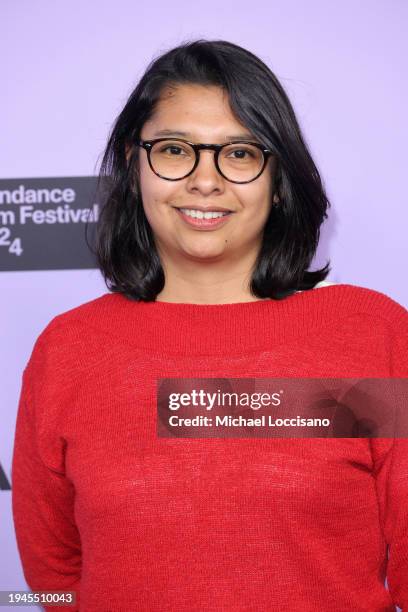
(195, 111)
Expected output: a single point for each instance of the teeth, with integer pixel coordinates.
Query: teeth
(199, 214)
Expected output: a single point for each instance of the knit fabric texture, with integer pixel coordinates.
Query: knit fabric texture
(134, 522)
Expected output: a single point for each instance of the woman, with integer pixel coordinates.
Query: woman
(131, 520)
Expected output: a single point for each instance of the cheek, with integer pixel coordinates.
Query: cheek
(146, 182)
(256, 201)
(264, 197)
(156, 197)
(150, 188)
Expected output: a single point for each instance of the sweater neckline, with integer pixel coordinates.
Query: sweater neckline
(225, 329)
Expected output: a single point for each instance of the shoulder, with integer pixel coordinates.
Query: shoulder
(91, 314)
(348, 300)
(87, 313)
(367, 320)
(74, 339)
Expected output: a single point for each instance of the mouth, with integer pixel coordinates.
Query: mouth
(207, 219)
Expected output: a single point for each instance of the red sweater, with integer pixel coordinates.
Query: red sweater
(134, 522)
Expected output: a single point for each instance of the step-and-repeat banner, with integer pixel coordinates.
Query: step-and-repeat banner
(41, 219)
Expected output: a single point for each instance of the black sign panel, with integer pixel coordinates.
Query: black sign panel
(43, 222)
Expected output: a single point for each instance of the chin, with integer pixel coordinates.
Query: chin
(203, 254)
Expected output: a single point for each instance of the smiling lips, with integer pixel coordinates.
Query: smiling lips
(204, 219)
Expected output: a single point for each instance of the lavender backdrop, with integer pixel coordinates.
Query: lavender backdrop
(67, 70)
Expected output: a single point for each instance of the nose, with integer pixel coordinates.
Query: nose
(205, 177)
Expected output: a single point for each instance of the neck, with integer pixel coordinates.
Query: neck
(207, 282)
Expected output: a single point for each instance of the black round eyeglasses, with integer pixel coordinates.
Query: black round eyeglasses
(173, 159)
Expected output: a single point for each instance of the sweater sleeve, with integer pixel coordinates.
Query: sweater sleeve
(43, 498)
(391, 474)
(391, 477)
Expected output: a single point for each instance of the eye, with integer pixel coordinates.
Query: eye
(239, 152)
(173, 148)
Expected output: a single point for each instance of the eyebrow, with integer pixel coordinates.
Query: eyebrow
(177, 133)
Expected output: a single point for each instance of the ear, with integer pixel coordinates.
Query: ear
(128, 151)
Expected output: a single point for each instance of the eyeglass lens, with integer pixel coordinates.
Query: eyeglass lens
(238, 162)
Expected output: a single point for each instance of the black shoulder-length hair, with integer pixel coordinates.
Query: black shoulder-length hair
(124, 245)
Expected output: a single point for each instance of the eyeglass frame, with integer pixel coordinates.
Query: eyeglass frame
(148, 145)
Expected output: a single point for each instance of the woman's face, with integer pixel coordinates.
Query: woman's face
(203, 115)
